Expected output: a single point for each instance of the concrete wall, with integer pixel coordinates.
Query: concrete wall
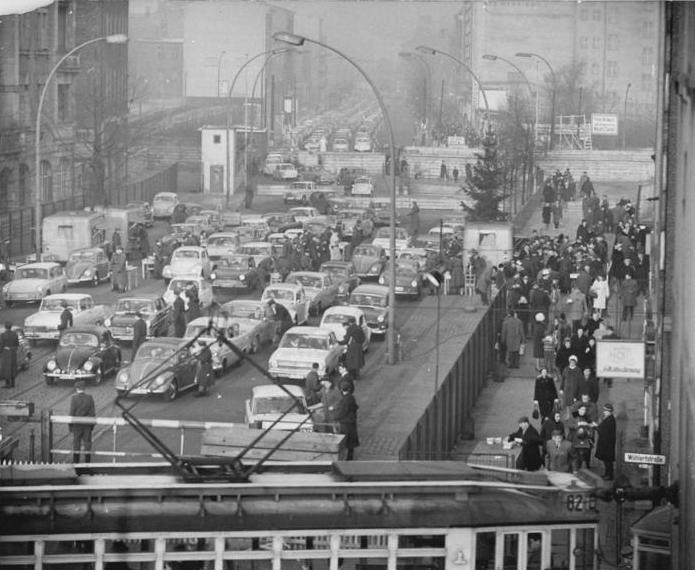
(372, 162)
(603, 165)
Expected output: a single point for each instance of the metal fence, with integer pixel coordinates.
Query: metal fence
(17, 226)
(450, 410)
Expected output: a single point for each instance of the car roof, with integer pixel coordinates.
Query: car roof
(310, 330)
(150, 299)
(336, 263)
(82, 249)
(68, 296)
(267, 390)
(293, 286)
(308, 273)
(39, 265)
(224, 234)
(168, 340)
(190, 248)
(343, 310)
(166, 194)
(256, 244)
(91, 329)
(371, 289)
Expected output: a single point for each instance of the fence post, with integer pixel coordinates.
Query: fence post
(114, 433)
(181, 442)
(45, 435)
(32, 444)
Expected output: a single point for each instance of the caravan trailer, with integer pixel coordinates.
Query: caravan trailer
(64, 232)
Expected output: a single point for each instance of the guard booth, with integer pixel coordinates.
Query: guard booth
(651, 539)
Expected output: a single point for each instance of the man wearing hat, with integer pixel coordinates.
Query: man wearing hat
(178, 314)
(65, 317)
(9, 344)
(605, 448)
(559, 453)
(345, 415)
(81, 405)
(570, 381)
(354, 353)
(139, 332)
(527, 437)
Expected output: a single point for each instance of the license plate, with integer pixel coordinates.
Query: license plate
(399, 289)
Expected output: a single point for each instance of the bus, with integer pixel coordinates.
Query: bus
(354, 515)
(64, 232)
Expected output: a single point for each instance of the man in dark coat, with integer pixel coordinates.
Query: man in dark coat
(139, 333)
(65, 317)
(81, 405)
(205, 371)
(282, 316)
(9, 344)
(179, 314)
(545, 394)
(312, 385)
(353, 340)
(345, 415)
(527, 437)
(605, 448)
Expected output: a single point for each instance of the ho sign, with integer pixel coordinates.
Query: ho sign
(619, 359)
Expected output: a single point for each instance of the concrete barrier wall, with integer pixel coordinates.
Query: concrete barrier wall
(603, 165)
(372, 162)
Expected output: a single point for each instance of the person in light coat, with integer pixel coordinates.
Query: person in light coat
(600, 292)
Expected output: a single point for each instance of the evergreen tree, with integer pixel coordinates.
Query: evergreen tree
(485, 186)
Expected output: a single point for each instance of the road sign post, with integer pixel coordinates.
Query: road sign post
(645, 458)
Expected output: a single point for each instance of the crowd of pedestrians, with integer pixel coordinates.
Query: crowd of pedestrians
(557, 291)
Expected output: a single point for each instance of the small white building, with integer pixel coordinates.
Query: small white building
(215, 141)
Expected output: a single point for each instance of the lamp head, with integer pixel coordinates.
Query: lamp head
(289, 38)
(116, 39)
(405, 54)
(523, 54)
(426, 50)
(490, 57)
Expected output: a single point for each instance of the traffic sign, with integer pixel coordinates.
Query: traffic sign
(645, 458)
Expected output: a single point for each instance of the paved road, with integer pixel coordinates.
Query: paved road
(226, 403)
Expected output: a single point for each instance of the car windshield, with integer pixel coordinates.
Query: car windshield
(409, 257)
(164, 198)
(253, 250)
(182, 284)
(335, 318)
(347, 214)
(186, 254)
(56, 304)
(236, 261)
(306, 280)
(82, 256)
(366, 251)
(221, 241)
(276, 405)
(157, 351)
(194, 330)
(279, 294)
(406, 270)
(31, 273)
(335, 272)
(245, 310)
(299, 340)
(135, 306)
(368, 300)
(79, 339)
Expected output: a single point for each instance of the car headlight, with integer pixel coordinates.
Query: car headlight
(6, 288)
(213, 276)
(87, 273)
(107, 321)
(380, 319)
(39, 288)
(88, 366)
(272, 364)
(159, 380)
(167, 271)
(242, 277)
(413, 283)
(374, 268)
(51, 365)
(122, 377)
(342, 288)
(382, 280)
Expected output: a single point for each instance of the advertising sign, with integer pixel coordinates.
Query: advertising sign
(620, 359)
(604, 124)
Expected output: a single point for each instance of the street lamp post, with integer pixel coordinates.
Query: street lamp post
(228, 176)
(219, 65)
(296, 40)
(627, 91)
(427, 83)
(552, 104)
(111, 39)
(433, 51)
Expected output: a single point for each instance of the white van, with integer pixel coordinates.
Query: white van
(492, 240)
(64, 232)
(163, 205)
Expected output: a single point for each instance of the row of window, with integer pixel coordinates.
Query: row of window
(55, 185)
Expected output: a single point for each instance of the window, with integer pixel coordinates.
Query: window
(5, 176)
(612, 69)
(647, 56)
(612, 42)
(596, 42)
(612, 15)
(647, 29)
(64, 13)
(596, 15)
(64, 181)
(63, 102)
(594, 69)
(24, 192)
(583, 42)
(216, 139)
(46, 181)
(42, 29)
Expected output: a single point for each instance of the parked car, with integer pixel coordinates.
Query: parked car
(188, 261)
(253, 315)
(408, 279)
(271, 163)
(299, 192)
(341, 145)
(87, 353)
(222, 244)
(278, 222)
(319, 176)
(205, 295)
(261, 251)
(285, 171)
(369, 260)
(203, 222)
(318, 287)
(374, 302)
(292, 297)
(223, 357)
(163, 205)
(237, 271)
(426, 259)
(348, 217)
(145, 208)
(90, 265)
(363, 144)
(335, 318)
(155, 312)
(269, 402)
(343, 274)
(43, 325)
(300, 347)
(34, 281)
(184, 228)
(363, 186)
(176, 369)
(304, 213)
(382, 239)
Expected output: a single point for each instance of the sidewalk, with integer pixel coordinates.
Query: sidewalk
(501, 403)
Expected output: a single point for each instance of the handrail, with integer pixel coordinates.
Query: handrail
(119, 421)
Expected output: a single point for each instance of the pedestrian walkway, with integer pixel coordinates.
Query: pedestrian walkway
(501, 403)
